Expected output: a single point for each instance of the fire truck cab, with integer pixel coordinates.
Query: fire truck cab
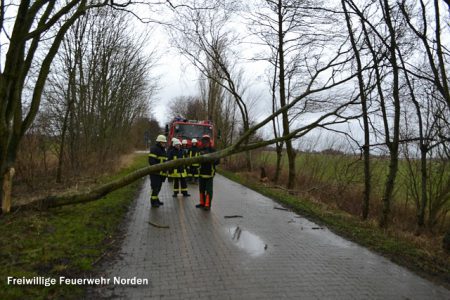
(184, 129)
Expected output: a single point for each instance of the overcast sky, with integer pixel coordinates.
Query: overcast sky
(178, 77)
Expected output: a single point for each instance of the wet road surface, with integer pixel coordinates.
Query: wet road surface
(266, 254)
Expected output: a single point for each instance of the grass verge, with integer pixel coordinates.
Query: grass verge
(389, 243)
(66, 241)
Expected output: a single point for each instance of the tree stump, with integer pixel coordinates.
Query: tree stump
(263, 172)
(263, 176)
(446, 242)
(6, 190)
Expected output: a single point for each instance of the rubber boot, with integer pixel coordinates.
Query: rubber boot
(202, 201)
(207, 203)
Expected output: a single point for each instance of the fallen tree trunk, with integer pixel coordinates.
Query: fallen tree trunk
(103, 190)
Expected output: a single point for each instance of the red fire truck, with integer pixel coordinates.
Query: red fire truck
(184, 129)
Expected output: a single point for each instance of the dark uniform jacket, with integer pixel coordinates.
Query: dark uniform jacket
(185, 152)
(208, 169)
(193, 152)
(157, 155)
(174, 154)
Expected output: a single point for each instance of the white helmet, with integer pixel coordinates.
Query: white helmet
(176, 142)
(184, 142)
(194, 141)
(173, 139)
(161, 138)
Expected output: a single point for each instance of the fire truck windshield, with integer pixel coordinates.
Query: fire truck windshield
(191, 131)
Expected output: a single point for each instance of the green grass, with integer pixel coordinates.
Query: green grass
(326, 167)
(61, 242)
(350, 169)
(387, 242)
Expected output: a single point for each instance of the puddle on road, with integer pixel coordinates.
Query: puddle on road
(247, 241)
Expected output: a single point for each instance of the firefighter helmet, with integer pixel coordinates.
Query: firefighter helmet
(161, 138)
(176, 141)
(194, 141)
(206, 137)
(184, 142)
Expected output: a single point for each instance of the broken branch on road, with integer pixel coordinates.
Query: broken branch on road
(233, 216)
(280, 208)
(158, 225)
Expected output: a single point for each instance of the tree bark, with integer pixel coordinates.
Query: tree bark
(278, 146)
(13, 122)
(393, 146)
(279, 149)
(440, 54)
(285, 116)
(248, 159)
(101, 191)
(6, 190)
(446, 241)
(423, 186)
(423, 145)
(71, 94)
(365, 116)
(439, 73)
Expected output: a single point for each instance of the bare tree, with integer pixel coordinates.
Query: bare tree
(389, 30)
(190, 107)
(33, 23)
(60, 92)
(35, 33)
(426, 174)
(101, 84)
(431, 43)
(144, 131)
(206, 41)
(275, 124)
(273, 26)
(382, 42)
(292, 32)
(365, 113)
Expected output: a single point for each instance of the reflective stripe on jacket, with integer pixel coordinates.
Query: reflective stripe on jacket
(156, 156)
(208, 169)
(174, 154)
(194, 152)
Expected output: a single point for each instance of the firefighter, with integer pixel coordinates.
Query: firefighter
(194, 151)
(207, 171)
(178, 174)
(157, 155)
(184, 148)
